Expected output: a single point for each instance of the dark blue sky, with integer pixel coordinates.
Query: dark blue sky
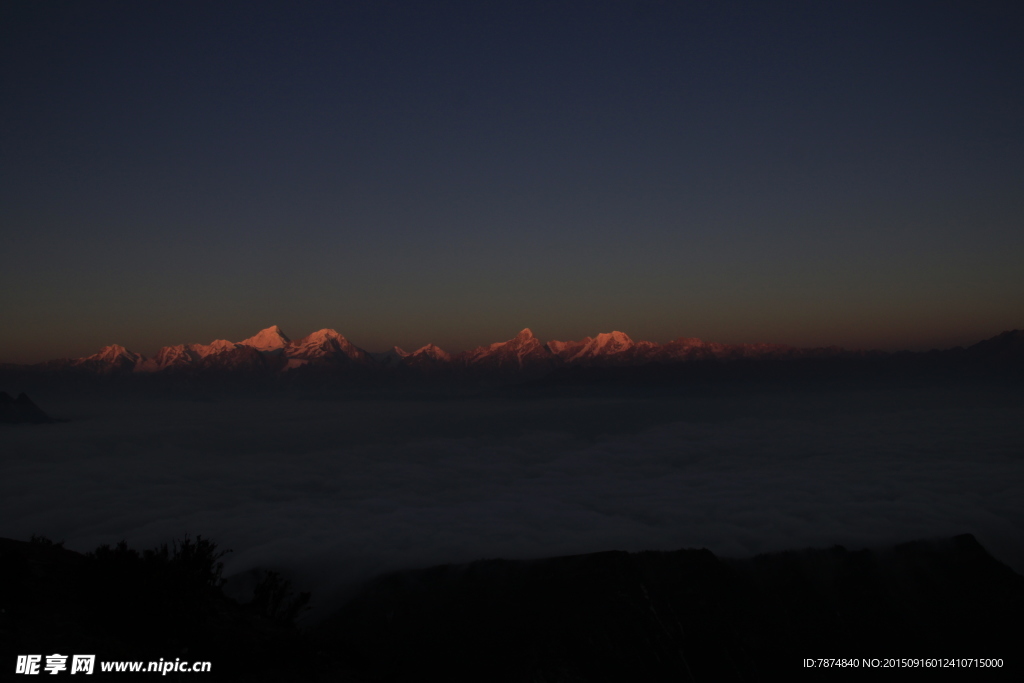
(846, 173)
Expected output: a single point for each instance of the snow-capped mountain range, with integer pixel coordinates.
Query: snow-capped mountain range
(272, 349)
(270, 352)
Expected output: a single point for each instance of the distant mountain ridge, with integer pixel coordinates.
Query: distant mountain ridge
(271, 351)
(21, 410)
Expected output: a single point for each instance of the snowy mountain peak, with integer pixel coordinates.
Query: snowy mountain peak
(113, 352)
(616, 339)
(435, 352)
(604, 344)
(321, 341)
(112, 358)
(323, 335)
(325, 344)
(513, 354)
(216, 346)
(270, 339)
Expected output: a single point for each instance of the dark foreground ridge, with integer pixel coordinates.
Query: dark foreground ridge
(614, 616)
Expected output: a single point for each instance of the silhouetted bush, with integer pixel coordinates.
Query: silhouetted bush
(273, 598)
(43, 540)
(163, 595)
(162, 603)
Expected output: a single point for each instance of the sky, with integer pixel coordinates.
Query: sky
(807, 173)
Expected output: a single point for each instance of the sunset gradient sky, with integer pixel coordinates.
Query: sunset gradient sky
(841, 173)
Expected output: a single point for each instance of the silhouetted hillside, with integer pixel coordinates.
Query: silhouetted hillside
(683, 615)
(613, 616)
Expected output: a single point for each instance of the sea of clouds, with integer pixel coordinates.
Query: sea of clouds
(333, 493)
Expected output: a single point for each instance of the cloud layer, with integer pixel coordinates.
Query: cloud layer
(335, 492)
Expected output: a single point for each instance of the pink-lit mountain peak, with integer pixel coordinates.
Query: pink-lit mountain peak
(110, 358)
(214, 347)
(269, 339)
(323, 336)
(318, 343)
(523, 341)
(482, 351)
(112, 353)
(614, 337)
(183, 355)
(322, 344)
(430, 351)
(515, 352)
(604, 344)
